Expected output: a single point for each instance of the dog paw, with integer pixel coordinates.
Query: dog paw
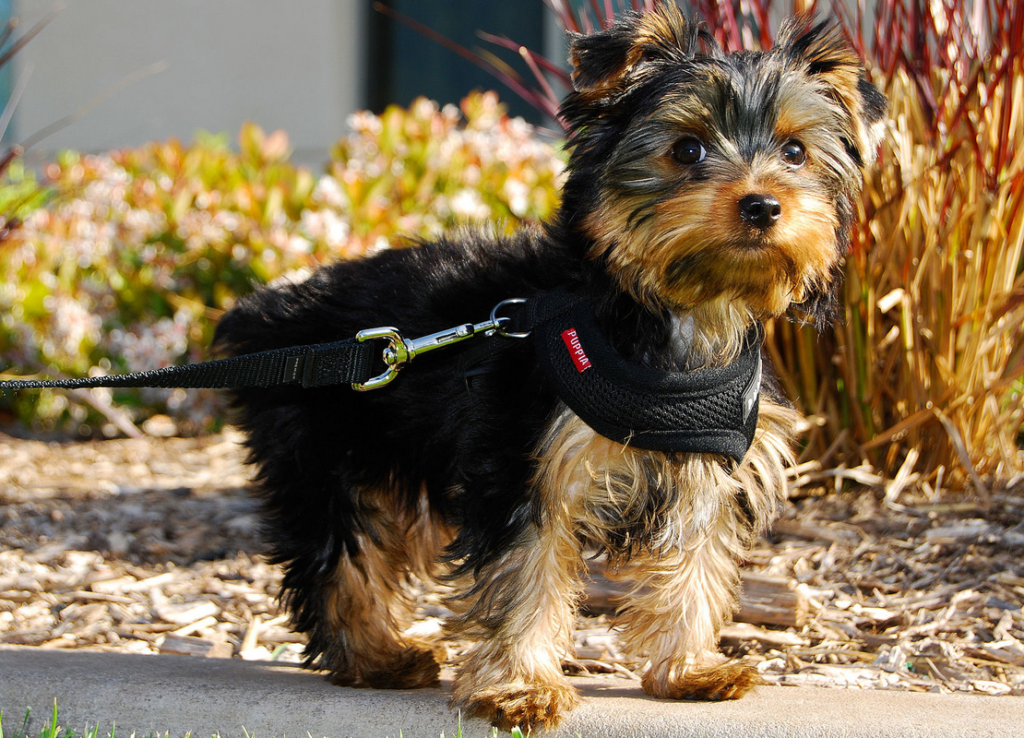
(526, 706)
(725, 682)
(409, 669)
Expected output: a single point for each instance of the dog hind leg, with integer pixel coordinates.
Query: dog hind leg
(368, 601)
(348, 552)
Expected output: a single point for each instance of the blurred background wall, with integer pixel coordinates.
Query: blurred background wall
(149, 69)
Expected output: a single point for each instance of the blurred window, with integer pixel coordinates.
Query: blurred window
(404, 64)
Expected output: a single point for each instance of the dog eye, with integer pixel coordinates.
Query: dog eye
(794, 154)
(689, 150)
(649, 55)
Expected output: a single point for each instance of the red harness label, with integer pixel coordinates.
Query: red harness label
(579, 357)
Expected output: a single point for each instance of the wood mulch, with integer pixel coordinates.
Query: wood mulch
(147, 545)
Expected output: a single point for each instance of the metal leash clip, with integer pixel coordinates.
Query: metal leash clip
(401, 350)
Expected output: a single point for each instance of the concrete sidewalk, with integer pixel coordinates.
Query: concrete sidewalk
(177, 694)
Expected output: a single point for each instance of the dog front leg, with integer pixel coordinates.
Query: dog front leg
(522, 616)
(679, 602)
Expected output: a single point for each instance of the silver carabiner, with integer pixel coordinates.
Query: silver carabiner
(395, 355)
(401, 350)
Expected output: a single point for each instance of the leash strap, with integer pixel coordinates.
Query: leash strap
(318, 365)
(703, 411)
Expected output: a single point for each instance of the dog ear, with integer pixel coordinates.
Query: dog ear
(823, 54)
(598, 59)
(604, 59)
(609, 63)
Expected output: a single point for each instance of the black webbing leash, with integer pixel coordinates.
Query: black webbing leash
(710, 410)
(319, 365)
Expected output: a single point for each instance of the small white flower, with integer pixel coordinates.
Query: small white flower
(467, 204)
(299, 245)
(517, 194)
(329, 192)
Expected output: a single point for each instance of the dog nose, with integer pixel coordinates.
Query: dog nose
(760, 211)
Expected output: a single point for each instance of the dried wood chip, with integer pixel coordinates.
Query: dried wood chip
(207, 622)
(113, 586)
(587, 667)
(121, 545)
(967, 530)
(771, 601)
(189, 646)
(185, 614)
(103, 597)
(1007, 651)
(992, 688)
(738, 632)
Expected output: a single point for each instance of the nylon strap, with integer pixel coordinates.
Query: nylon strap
(319, 365)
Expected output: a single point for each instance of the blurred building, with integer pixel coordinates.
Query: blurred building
(131, 71)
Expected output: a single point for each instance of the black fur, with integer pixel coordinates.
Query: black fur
(313, 448)
(467, 442)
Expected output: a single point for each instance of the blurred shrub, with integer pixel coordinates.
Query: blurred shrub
(20, 194)
(131, 263)
(421, 171)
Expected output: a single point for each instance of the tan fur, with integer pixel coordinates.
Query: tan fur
(369, 604)
(683, 565)
(701, 225)
(841, 83)
(658, 30)
(523, 615)
(671, 524)
(681, 596)
(589, 490)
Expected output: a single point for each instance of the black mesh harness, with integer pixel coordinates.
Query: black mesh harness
(710, 410)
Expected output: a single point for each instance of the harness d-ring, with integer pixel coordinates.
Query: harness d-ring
(500, 321)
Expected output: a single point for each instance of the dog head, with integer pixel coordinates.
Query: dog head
(698, 176)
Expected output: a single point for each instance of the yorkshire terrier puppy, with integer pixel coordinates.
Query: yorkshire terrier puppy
(706, 193)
